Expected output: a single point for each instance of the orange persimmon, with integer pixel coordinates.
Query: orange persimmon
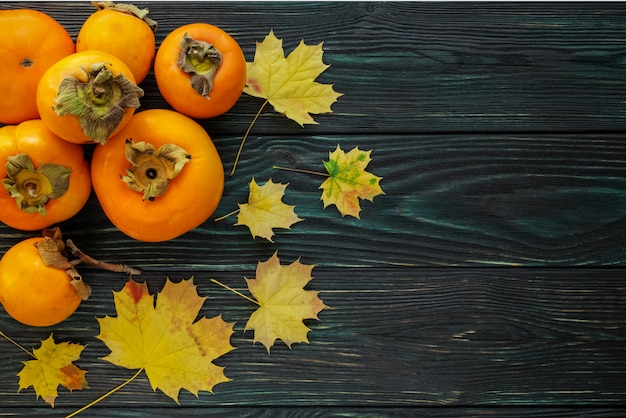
(159, 177)
(30, 42)
(32, 292)
(124, 31)
(87, 97)
(45, 179)
(200, 70)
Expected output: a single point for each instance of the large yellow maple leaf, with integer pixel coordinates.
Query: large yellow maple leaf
(289, 83)
(348, 181)
(52, 367)
(283, 302)
(163, 339)
(265, 210)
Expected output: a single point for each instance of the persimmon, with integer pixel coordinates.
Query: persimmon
(30, 42)
(87, 97)
(32, 292)
(122, 30)
(200, 70)
(46, 179)
(159, 177)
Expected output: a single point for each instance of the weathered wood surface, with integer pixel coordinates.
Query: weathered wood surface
(488, 280)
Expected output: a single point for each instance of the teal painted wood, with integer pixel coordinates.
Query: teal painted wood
(356, 412)
(498, 130)
(453, 200)
(392, 337)
(427, 67)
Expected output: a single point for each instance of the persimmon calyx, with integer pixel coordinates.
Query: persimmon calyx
(129, 9)
(200, 60)
(52, 252)
(151, 169)
(33, 188)
(99, 103)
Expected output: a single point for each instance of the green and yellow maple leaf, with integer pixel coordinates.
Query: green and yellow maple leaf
(53, 367)
(288, 84)
(265, 210)
(283, 302)
(348, 181)
(163, 339)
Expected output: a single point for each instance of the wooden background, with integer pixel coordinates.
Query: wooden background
(489, 280)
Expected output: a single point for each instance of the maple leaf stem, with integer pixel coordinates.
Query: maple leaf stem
(227, 215)
(15, 343)
(118, 268)
(297, 170)
(109, 393)
(236, 292)
(243, 141)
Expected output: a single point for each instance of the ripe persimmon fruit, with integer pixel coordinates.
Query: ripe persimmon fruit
(32, 292)
(200, 70)
(159, 177)
(87, 97)
(30, 42)
(45, 179)
(124, 31)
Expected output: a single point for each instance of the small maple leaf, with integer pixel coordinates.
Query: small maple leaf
(283, 302)
(289, 83)
(348, 181)
(53, 367)
(163, 339)
(265, 210)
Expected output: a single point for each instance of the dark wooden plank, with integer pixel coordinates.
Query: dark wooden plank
(426, 67)
(450, 200)
(393, 337)
(357, 412)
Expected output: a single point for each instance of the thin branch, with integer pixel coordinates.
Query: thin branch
(117, 268)
(243, 141)
(236, 292)
(109, 393)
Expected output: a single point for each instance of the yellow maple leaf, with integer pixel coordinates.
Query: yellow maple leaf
(53, 367)
(283, 302)
(348, 181)
(265, 210)
(289, 83)
(163, 339)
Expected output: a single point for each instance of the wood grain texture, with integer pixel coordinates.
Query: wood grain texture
(488, 280)
(396, 337)
(427, 67)
(450, 201)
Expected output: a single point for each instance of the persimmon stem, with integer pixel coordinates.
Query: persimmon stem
(227, 215)
(235, 292)
(109, 393)
(15, 343)
(117, 268)
(298, 170)
(243, 141)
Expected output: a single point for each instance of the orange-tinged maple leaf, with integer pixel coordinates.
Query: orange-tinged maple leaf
(348, 181)
(289, 83)
(53, 367)
(265, 210)
(283, 302)
(163, 339)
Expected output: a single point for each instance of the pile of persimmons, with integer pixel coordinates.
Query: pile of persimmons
(156, 173)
